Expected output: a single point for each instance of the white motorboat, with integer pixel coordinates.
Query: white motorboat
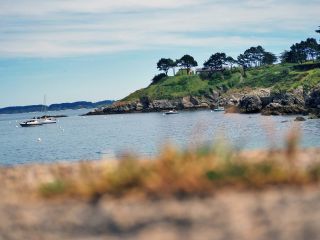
(171, 112)
(219, 109)
(31, 123)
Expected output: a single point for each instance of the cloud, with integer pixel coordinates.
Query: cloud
(58, 28)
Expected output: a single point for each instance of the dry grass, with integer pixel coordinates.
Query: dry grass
(192, 172)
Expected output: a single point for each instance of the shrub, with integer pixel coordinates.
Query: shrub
(285, 72)
(217, 76)
(158, 78)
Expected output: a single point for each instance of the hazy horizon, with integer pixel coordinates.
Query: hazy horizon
(98, 50)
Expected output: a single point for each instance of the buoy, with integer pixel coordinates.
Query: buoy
(39, 140)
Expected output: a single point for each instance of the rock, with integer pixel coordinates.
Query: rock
(313, 99)
(264, 95)
(233, 101)
(300, 119)
(159, 105)
(145, 102)
(294, 97)
(286, 103)
(250, 104)
(314, 116)
(186, 102)
(215, 94)
(139, 106)
(275, 108)
(195, 101)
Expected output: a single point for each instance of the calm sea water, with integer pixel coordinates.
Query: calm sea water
(90, 138)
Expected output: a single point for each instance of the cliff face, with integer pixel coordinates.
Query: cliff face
(255, 101)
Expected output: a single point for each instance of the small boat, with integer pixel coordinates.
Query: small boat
(49, 120)
(171, 112)
(46, 119)
(31, 123)
(219, 109)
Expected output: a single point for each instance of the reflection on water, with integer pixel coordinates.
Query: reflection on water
(96, 137)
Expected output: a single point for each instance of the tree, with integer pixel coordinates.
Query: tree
(296, 54)
(311, 48)
(255, 56)
(230, 61)
(301, 52)
(173, 65)
(158, 78)
(244, 61)
(216, 62)
(187, 62)
(287, 57)
(269, 58)
(165, 64)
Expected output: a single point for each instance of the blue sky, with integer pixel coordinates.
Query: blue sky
(100, 49)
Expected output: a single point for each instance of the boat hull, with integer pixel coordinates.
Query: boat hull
(171, 112)
(49, 122)
(30, 125)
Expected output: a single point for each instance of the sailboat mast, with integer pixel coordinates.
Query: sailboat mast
(44, 108)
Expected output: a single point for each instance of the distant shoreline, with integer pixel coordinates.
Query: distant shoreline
(55, 107)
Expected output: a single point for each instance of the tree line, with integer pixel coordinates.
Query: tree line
(308, 50)
(252, 57)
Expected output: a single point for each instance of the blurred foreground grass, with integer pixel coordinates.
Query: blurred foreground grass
(191, 172)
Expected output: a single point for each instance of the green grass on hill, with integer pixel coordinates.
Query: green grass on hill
(279, 77)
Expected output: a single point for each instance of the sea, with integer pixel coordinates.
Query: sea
(77, 138)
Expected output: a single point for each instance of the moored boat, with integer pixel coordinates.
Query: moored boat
(219, 109)
(171, 112)
(31, 123)
(49, 120)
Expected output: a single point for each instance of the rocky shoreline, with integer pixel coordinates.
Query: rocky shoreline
(263, 100)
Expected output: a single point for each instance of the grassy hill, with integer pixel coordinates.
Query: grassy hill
(279, 77)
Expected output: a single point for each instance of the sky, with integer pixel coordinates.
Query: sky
(95, 50)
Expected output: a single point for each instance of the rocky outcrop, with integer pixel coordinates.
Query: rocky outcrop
(256, 101)
(313, 99)
(145, 104)
(275, 108)
(250, 104)
(313, 102)
(286, 103)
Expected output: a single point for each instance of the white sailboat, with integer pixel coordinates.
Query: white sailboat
(46, 119)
